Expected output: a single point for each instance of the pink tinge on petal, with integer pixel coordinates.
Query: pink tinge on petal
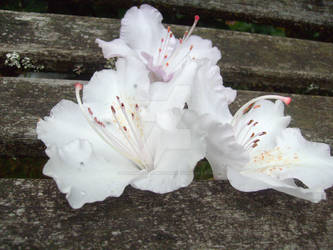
(158, 71)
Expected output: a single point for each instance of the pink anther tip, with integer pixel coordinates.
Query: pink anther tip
(78, 86)
(286, 100)
(196, 17)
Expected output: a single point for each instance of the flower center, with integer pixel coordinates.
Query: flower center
(123, 132)
(170, 58)
(245, 132)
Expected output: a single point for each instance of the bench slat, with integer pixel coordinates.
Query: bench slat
(304, 14)
(207, 214)
(282, 13)
(61, 43)
(24, 100)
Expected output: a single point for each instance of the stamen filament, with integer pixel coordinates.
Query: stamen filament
(196, 20)
(239, 113)
(104, 137)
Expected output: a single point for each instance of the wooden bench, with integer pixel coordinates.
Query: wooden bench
(207, 214)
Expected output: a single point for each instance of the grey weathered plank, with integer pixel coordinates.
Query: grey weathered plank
(24, 100)
(60, 43)
(207, 214)
(306, 14)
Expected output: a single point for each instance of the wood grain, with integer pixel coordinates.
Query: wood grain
(205, 215)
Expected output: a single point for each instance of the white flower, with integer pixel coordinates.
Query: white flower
(143, 36)
(112, 139)
(254, 149)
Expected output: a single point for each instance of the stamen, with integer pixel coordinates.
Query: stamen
(165, 45)
(78, 86)
(249, 104)
(113, 110)
(196, 20)
(180, 61)
(185, 35)
(109, 139)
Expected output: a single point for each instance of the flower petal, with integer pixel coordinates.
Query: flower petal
(310, 162)
(292, 158)
(202, 48)
(130, 79)
(142, 30)
(209, 96)
(175, 93)
(250, 183)
(222, 147)
(176, 152)
(267, 117)
(115, 48)
(86, 177)
(65, 124)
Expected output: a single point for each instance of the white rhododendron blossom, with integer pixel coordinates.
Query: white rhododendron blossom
(143, 36)
(112, 139)
(254, 149)
(277, 155)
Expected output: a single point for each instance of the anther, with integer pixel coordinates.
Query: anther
(262, 133)
(249, 123)
(196, 18)
(255, 123)
(191, 47)
(90, 112)
(118, 98)
(113, 110)
(122, 105)
(125, 128)
(165, 56)
(78, 86)
(255, 141)
(286, 100)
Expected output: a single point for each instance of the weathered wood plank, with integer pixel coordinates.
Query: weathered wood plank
(61, 43)
(205, 215)
(24, 100)
(304, 14)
